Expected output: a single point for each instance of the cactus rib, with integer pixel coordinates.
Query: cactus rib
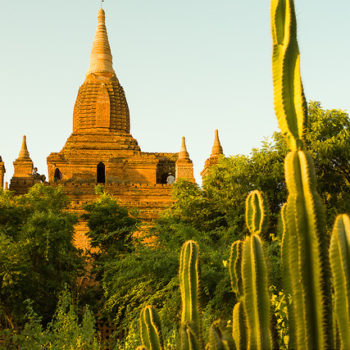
(339, 253)
(189, 288)
(256, 295)
(150, 329)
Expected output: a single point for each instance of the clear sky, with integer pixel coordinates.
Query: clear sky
(187, 67)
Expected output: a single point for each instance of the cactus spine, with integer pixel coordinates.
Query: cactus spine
(256, 213)
(150, 329)
(339, 253)
(189, 288)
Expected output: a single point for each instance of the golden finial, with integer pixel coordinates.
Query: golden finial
(101, 56)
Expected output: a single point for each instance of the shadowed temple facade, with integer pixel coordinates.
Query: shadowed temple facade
(101, 149)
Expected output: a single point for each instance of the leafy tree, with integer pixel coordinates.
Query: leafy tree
(110, 231)
(64, 331)
(37, 256)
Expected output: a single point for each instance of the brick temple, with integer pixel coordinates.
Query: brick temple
(101, 149)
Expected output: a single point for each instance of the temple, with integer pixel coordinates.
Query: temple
(101, 149)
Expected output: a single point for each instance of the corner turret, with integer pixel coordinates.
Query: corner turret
(23, 177)
(2, 173)
(184, 165)
(216, 152)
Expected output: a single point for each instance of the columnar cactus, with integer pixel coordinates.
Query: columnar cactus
(290, 103)
(304, 250)
(188, 338)
(239, 327)
(235, 267)
(339, 253)
(256, 296)
(189, 288)
(219, 339)
(150, 329)
(306, 260)
(256, 213)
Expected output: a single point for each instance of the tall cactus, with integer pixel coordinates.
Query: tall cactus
(307, 260)
(189, 288)
(256, 297)
(150, 329)
(290, 103)
(339, 253)
(306, 263)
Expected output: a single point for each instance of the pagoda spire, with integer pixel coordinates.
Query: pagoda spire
(24, 153)
(183, 154)
(101, 56)
(217, 148)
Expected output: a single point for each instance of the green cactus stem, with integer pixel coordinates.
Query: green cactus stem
(150, 330)
(239, 327)
(288, 248)
(189, 288)
(305, 257)
(220, 339)
(188, 338)
(235, 266)
(256, 213)
(290, 103)
(339, 253)
(256, 295)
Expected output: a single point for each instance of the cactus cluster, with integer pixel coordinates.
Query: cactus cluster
(309, 261)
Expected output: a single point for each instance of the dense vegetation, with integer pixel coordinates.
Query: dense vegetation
(41, 271)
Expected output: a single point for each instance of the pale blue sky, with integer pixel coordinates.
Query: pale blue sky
(187, 67)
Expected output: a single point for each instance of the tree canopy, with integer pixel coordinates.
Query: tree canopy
(37, 255)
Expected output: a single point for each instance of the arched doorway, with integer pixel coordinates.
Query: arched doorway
(57, 176)
(101, 173)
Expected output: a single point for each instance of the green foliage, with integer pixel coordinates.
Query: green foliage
(63, 332)
(279, 303)
(340, 263)
(36, 234)
(110, 231)
(110, 226)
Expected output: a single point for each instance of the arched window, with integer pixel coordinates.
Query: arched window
(58, 175)
(101, 173)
